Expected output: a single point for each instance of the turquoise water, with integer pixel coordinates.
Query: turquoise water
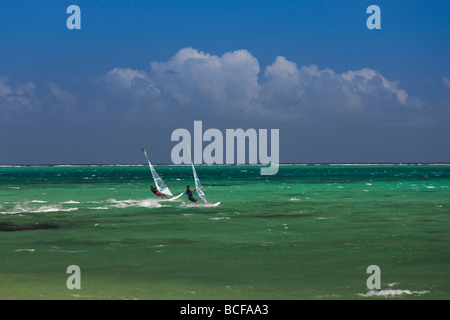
(308, 232)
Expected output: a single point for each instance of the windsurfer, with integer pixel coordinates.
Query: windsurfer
(159, 194)
(189, 194)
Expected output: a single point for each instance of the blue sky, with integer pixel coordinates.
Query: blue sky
(137, 70)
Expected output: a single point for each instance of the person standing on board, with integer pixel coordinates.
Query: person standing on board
(189, 194)
(159, 194)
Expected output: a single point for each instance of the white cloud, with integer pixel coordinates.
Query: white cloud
(233, 84)
(194, 78)
(446, 81)
(282, 83)
(134, 83)
(369, 82)
(124, 77)
(15, 96)
(308, 90)
(5, 88)
(23, 100)
(62, 95)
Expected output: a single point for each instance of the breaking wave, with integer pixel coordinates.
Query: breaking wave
(40, 206)
(28, 208)
(391, 293)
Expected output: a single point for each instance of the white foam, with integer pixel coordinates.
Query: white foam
(390, 293)
(25, 208)
(392, 284)
(52, 209)
(147, 203)
(71, 202)
(201, 205)
(69, 251)
(158, 246)
(39, 201)
(294, 199)
(29, 250)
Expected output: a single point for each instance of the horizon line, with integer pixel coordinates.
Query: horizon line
(225, 164)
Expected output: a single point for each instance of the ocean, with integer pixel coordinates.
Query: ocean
(308, 232)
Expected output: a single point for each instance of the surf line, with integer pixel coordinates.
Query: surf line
(197, 310)
(258, 147)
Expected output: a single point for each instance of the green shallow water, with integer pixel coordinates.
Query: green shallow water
(308, 232)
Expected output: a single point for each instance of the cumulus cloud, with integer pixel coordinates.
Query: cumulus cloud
(192, 79)
(120, 78)
(308, 90)
(233, 84)
(132, 89)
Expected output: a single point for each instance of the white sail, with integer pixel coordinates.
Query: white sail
(160, 184)
(198, 185)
